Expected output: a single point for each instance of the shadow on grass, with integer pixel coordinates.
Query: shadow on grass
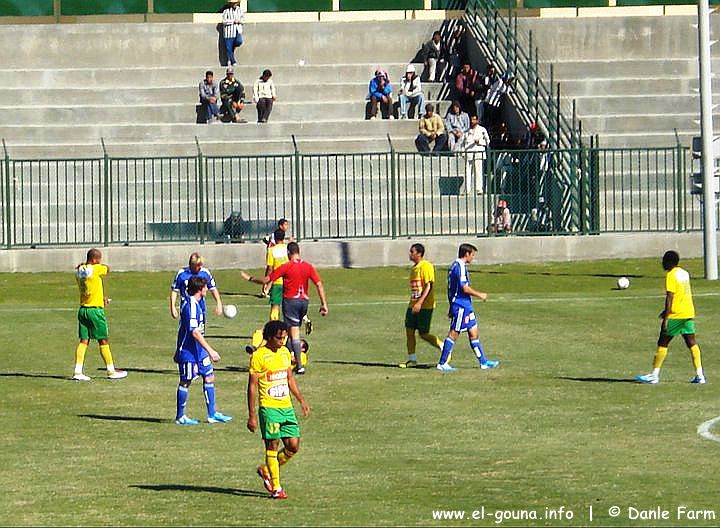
(373, 364)
(146, 370)
(213, 336)
(207, 489)
(244, 294)
(231, 368)
(32, 375)
(565, 274)
(114, 418)
(598, 380)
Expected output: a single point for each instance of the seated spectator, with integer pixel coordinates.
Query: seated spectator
(232, 97)
(209, 94)
(379, 93)
(495, 99)
(434, 53)
(411, 94)
(465, 85)
(432, 129)
(457, 51)
(502, 221)
(457, 123)
(264, 95)
(475, 142)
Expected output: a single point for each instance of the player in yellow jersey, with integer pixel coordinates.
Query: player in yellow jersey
(677, 319)
(418, 315)
(270, 382)
(91, 315)
(277, 255)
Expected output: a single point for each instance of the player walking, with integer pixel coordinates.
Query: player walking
(462, 316)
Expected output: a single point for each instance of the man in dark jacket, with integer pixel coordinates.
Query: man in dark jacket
(232, 96)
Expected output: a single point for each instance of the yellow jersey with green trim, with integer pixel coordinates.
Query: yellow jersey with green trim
(89, 280)
(277, 255)
(272, 371)
(421, 274)
(677, 282)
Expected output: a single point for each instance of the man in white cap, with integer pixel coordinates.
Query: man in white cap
(411, 95)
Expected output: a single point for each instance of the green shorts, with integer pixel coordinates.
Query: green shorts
(419, 321)
(276, 294)
(278, 423)
(676, 327)
(92, 323)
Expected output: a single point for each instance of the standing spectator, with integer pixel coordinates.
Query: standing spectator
(503, 140)
(485, 82)
(91, 315)
(264, 95)
(209, 95)
(411, 94)
(465, 85)
(434, 53)
(495, 98)
(431, 128)
(533, 137)
(457, 124)
(475, 142)
(457, 51)
(232, 19)
(379, 93)
(232, 97)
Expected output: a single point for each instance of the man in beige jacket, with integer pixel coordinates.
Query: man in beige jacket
(432, 129)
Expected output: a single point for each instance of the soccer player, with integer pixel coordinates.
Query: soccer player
(277, 255)
(179, 285)
(462, 317)
(295, 274)
(194, 355)
(91, 315)
(677, 319)
(271, 380)
(418, 315)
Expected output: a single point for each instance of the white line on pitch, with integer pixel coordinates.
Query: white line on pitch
(704, 429)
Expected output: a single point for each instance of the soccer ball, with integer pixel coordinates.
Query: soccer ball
(230, 311)
(623, 283)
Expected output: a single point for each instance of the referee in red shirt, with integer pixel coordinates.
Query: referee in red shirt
(296, 273)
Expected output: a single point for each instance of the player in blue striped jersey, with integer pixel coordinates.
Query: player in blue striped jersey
(179, 285)
(194, 355)
(462, 316)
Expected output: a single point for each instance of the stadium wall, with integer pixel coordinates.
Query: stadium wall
(367, 253)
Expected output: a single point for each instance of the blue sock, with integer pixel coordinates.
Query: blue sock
(478, 349)
(447, 349)
(209, 391)
(182, 398)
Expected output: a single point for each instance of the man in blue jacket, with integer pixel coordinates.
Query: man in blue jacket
(380, 92)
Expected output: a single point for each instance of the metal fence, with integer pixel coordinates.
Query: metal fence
(104, 201)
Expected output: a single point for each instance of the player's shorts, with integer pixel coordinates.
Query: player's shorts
(276, 294)
(462, 319)
(278, 423)
(294, 310)
(190, 368)
(92, 323)
(419, 321)
(676, 327)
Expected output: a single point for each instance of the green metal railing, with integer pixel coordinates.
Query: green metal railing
(129, 200)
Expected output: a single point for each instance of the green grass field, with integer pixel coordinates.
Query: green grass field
(559, 425)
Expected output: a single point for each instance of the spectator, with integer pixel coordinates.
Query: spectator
(434, 53)
(264, 95)
(501, 138)
(457, 123)
(457, 51)
(232, 19)
(232, 96)
(379, 93)
(502, 220)
(465, 83)
(411, 94)
(475, 142)
(495, 99)
(209, 94)
(431, 129)
(532, 137)
(485, 82)
(541, 218)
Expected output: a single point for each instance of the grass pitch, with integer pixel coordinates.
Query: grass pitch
(560, 427)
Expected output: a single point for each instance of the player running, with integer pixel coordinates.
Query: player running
(462, 316)
(179, 285)
(677, 319)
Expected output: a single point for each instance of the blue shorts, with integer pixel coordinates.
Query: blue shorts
(462, 319)
(190, 368)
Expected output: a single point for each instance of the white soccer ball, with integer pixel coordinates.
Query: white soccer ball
(623, 283)
(230, 311)
(301, 62)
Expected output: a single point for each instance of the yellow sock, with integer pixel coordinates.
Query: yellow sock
(284, 456)
(257, 338)
(695, 354)
(659, 357)
(271, 461)
(107, 357)
(410, 341)
(433, 340)
(274, 313)
(80, 357)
